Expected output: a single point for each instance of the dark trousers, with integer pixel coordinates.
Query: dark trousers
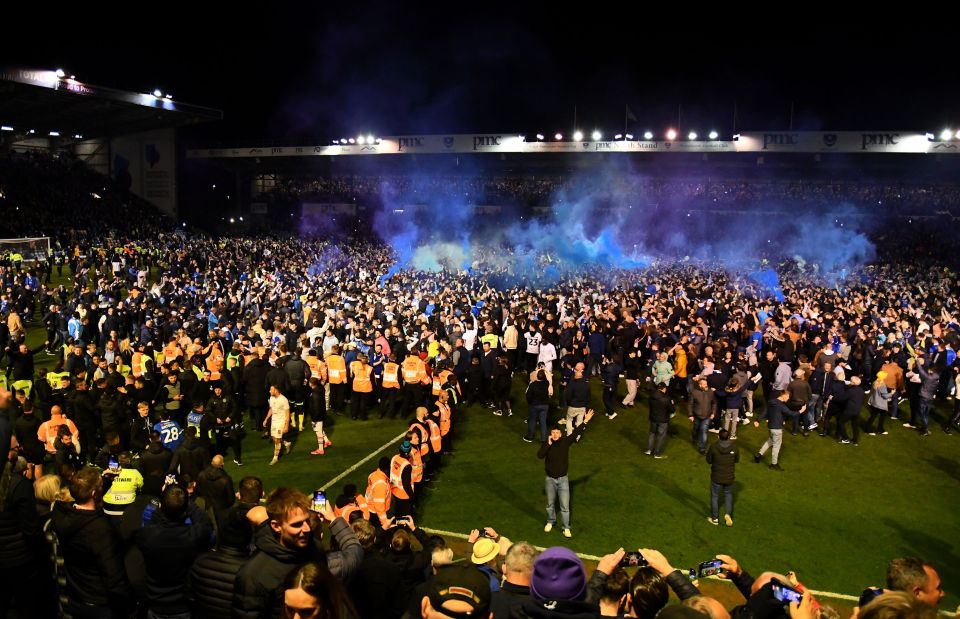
(358, 405)
(337, 394)
(390, 399)
(842, 427)
(609, 398)
(876, 415)
(537, 414)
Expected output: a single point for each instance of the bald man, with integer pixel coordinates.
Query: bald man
(216, 486)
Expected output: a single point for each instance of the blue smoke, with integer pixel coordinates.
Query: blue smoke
(609, 221)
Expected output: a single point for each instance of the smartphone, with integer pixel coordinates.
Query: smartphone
(319, 501)
(710, 568)
(785, 593)
(113, 464)
(633, 559)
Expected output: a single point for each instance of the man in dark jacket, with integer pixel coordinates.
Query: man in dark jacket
(214, 572)
(288, 535)
(215, 485)
(722, 458)
(556, 456)
(577, 396)
(851, 412)
(191, 456)
(517, 570)
(154, 464)
(538, 405)
(376, 589)
(703, 407)
(774, 413)
(255, 388)
(661, 408)
(92, 556)
(176, 534)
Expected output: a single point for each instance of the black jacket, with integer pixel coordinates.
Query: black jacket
(191, 457)
(215, 485)
(21, 530)
(211, 582)
(25, 429)
(722, 456)
(169, 548)
(254, 382)
(257, 592)
(578, 393)
(92, 558)
(509, 595)
(661, 407)
(538, 393)
(376, 587)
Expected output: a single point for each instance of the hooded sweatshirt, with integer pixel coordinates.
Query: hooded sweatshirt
(722, 456)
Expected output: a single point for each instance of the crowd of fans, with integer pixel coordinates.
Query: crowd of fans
(169, 348)
(903, 198)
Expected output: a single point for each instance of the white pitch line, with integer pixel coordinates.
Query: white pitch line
(838, 596)
(362, 462)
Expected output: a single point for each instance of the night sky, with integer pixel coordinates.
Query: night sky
(285, 73)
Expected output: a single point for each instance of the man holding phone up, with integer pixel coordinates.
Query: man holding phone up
(556, 455)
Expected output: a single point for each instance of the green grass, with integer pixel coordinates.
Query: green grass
(836, 515)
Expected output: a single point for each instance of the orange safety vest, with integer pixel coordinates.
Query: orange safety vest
(318, 369)
(423, 447)
(171, 352)
(361, 505)
(439, 380)
(390, 376)
(336, 370)
(361, 377)
(136, 364)
(413, 370)
(435, 435)
(397, 464)
(444, 418)
(427, 378)
(378, 494)
(416, 470)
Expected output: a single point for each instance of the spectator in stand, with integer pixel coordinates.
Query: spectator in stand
(517, 571)
(376, 587)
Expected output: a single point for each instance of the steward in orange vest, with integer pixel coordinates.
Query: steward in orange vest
(390, 394)
(401, 481)
(362, 387)
(350, 503)
(378, 493)
(337, 373)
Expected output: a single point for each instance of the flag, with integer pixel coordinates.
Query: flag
(630, 115)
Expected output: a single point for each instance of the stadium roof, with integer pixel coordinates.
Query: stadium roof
(45, 101)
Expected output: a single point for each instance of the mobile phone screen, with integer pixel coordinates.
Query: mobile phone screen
(632, 559)
(710, 568)
(785, 593)
(113, 464)
(319, 501)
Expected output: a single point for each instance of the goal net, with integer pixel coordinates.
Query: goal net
(31, 249)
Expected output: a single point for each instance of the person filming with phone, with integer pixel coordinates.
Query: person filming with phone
(288, 534)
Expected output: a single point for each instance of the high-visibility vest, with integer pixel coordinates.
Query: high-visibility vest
(233, 360)
(318, 369)
(198, 372)
(439, 380)
(361, 377)
(361, 506)
(416, 467)
(397, 464)
(378, 494)
(54, 378)
(444, 418)
(123, 490)
(171, 351)
(123, 369)
(424, 434)
(390, 380)
(158, 357)
(137, 364)
(336, 370)
(493, 339)
(413, 370)
(435, 436)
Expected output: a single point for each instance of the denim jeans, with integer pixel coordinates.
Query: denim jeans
(558, 486)
(924, 414)
(656, 438)
(775, 441)
(537, 414)
(715, 489)
(700, 427)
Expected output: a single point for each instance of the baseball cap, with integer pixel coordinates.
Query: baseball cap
(462, 584)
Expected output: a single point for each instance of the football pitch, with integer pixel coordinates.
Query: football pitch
(836, 515)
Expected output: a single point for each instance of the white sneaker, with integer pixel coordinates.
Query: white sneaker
(728, 520)
(567, 533)
(812, 426)
(548, 527)
(272, 462)
(498, 413)
(612, 416)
